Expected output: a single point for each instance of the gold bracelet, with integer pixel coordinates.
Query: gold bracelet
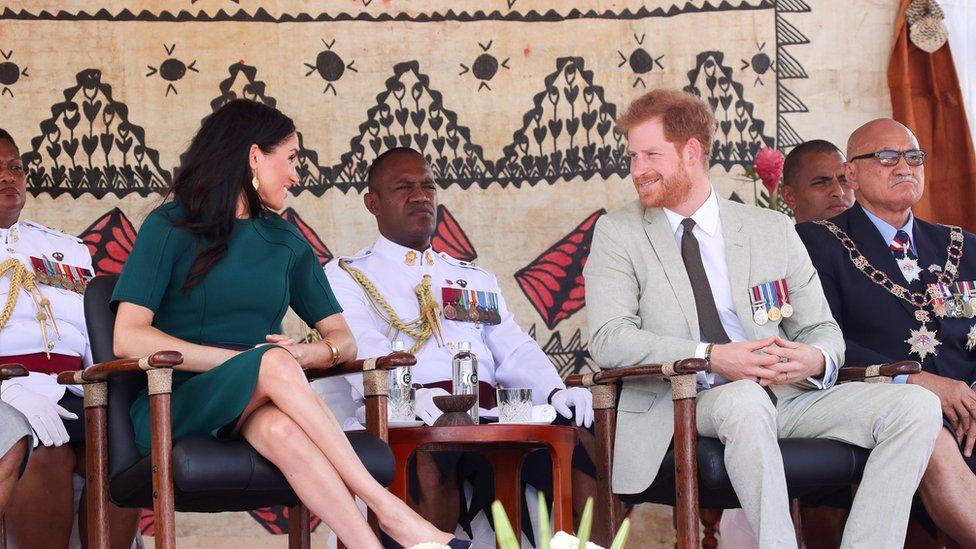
(335, 352)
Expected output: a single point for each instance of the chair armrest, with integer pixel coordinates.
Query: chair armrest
(101, 371)
(603, 377)
(878, 373)
(388, 362)
(8, 371)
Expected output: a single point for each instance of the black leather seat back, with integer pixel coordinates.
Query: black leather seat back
(122, 389)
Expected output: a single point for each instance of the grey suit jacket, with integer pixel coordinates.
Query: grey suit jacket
(640, 309)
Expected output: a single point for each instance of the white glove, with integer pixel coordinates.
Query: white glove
(425, 408)
(43, 414)
(574, 397)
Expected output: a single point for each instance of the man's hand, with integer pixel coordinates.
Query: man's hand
(425, 407)
(735, 361)
(578, 398)
(46, 417)
(797, 361)
(958, 403)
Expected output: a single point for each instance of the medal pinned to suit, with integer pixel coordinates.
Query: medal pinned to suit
(770, 302)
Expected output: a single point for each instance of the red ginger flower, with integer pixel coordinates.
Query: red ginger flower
(769, 168)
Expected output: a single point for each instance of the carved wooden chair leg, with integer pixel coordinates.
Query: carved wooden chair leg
(96, 464)
(299, 527)
(797, 515)
(710, 519)
(164, 508)
(684, 392)
(608, 516)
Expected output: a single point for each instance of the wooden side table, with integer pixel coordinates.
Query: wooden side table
(505, 446)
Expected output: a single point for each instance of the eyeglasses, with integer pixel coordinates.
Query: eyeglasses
(914, 157)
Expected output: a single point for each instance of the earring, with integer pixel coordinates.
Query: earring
(255, 182)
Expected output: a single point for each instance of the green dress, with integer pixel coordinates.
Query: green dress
(268, 268)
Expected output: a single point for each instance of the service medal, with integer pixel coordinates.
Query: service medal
(774, 314)
(760, 317)
(450, 312)
(923, 342)
(909, 267)
(786, 310)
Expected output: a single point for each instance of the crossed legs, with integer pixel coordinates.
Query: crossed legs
(287, 423)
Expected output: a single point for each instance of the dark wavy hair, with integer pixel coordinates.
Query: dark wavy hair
(214, 171)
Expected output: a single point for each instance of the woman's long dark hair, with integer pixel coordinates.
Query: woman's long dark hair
(214, 171)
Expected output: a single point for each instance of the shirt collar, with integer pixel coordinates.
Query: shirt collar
(888, 232)
(402, 254)
(706, 216)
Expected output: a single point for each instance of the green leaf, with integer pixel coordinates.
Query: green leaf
(545, 533)
(586, 521)
(620, 540)
(503, 529)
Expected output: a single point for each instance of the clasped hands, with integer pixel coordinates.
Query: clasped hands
(770, 361)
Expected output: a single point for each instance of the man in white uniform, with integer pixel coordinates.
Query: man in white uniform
(43, 274)
(398, 288)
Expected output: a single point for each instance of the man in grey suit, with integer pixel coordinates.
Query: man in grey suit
(682, 273)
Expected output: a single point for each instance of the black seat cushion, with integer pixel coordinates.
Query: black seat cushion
(816, 469)
(211, 475)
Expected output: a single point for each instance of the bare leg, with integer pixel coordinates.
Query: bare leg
(948, 490)
(9, 468)
(275, 436)
(282, 382)
(42, 510)
(122, 523)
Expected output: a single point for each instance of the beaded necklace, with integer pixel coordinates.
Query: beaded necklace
(923, 341)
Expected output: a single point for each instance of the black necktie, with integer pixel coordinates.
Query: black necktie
(709, 323)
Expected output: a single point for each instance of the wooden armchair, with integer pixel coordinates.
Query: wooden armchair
(8, 371)
(681, 486)
(198, 474)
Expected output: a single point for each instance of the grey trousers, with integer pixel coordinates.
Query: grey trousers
(898, 422)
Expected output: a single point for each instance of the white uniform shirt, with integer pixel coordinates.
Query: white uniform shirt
(506, 354)
(22, 334)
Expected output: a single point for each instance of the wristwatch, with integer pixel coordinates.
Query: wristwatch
(708, 357)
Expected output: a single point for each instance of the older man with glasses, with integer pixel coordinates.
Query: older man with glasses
(902, 288)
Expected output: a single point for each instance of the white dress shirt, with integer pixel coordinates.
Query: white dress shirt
(711, 242)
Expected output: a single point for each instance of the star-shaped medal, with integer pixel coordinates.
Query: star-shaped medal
(923, 342)
(909, 268)
(971, 338)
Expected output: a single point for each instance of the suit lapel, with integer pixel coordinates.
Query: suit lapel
(875, 250)
(662, 241)
(737, 258)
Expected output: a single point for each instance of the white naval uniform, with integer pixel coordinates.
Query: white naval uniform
(22, 334)
(506, 354)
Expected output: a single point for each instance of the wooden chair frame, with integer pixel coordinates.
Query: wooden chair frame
(605, 386)
(159, 369)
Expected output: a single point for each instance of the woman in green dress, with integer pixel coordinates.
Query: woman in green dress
(215, 267)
